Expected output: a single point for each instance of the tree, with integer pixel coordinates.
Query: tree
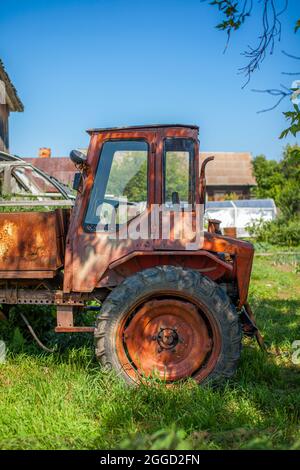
(289, 200)
(280, 180)
(268, 177)
(235, 13)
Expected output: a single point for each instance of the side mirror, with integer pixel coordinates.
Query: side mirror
(77, 181)
(77, 157)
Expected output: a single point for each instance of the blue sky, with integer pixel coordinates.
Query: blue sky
(79, 64)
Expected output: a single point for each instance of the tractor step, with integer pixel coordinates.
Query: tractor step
(74, 329)
(65, 321)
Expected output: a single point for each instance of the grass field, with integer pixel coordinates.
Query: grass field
(64, 401)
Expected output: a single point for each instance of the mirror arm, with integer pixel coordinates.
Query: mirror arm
(82, 167)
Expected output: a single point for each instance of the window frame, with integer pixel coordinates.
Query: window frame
(92, 228)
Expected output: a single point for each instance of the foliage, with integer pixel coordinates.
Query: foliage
(280, 180)
(136, 188)
(65, 401)
(235, 12)
(234, 16)
(176, 175)
(231, 197)
(294, 118)
(268, 177)
(43, 320)
(128, 176)
(289, 199)
(280, 232)
(164, 439)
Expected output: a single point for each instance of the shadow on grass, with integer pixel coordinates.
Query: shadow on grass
(15, 333)
(278, 320)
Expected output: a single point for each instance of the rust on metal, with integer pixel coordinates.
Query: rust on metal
(214, 226)
(41, 296)
(230, 232)
(202, 181)
(65, 321)
(169, 338)
(31, 243)
(74, 329)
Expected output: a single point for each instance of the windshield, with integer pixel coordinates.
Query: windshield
(121, 180)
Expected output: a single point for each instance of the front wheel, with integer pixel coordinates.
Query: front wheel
(171, 323)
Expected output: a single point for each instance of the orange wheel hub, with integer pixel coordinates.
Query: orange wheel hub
(168, 338)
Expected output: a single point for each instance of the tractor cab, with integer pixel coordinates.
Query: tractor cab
(140, 190)
(134, 168)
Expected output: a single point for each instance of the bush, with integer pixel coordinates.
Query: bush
(280, 181)
(277, 232)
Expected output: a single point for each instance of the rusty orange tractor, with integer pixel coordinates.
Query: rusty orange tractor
(173, 296)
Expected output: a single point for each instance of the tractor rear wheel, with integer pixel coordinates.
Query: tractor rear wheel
(169, 322)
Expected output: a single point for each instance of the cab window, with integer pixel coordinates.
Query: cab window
(179, 186)
(120, 180)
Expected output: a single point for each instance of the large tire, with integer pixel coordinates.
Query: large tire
(175, 320)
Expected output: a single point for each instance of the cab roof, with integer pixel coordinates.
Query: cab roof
(149, 126)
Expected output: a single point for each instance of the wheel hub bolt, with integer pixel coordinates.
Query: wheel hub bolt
(167, 338)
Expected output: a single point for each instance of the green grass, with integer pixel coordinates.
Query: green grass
(64, 401)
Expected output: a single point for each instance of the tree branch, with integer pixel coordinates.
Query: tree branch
(271, 30)
(283, 93)
(235, 13)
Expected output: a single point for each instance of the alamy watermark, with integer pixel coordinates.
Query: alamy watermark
(128, 221)
(296, 353)
(2, 352)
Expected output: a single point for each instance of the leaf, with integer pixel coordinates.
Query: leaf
(294, 118)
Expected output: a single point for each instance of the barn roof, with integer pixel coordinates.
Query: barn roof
(13, 100)
(229, 169)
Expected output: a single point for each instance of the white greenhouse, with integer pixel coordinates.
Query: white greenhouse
(241, 213)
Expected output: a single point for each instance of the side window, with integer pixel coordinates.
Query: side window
(178, 171)
(120, 186)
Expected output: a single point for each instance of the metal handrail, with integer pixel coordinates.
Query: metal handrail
(66, 202)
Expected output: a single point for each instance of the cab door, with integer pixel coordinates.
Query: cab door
(178, 209)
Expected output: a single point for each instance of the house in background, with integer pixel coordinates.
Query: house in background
(62, 168)
(9, 102)
(230, 172)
